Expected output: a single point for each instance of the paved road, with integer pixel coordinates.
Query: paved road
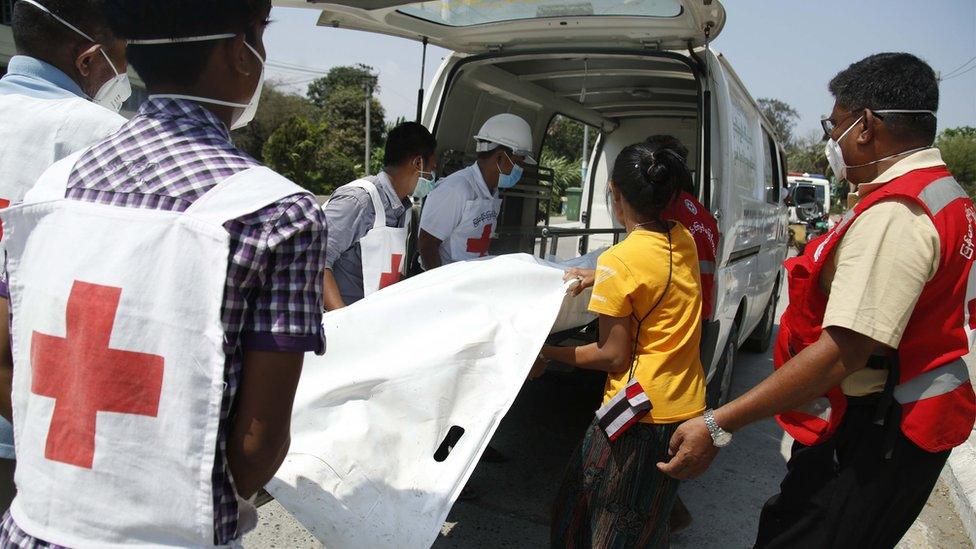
(541, 431)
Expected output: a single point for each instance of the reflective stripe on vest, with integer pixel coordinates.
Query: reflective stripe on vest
(818, 407)
(940, 193)
(706, 267)
(942, 380)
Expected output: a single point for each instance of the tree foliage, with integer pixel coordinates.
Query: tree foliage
(564, 138)
(341, 97)
(275, 108)
(351, 76)
(782, 116)
(958, 147)
(299, 149)
(566, 173)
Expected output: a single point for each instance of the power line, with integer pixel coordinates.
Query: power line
(959, 73)
(955, 71)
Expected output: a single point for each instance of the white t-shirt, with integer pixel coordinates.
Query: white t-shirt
(441, 215)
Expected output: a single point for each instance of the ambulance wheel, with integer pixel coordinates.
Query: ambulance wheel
(761, 338)
(717, 392)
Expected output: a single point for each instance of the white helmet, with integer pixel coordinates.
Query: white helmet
(506, 130)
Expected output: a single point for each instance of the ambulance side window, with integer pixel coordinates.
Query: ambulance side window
(771, 171)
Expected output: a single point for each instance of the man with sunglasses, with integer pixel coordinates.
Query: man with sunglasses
(870, 378)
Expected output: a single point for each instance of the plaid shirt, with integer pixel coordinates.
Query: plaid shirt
(165, 158)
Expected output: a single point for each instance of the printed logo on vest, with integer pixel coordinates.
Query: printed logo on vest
(691, 207)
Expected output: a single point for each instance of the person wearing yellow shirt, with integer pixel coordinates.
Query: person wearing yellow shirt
(647, 296)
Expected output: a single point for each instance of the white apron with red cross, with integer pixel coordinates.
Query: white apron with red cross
(119, 360)
(472, 238)
(383, 249)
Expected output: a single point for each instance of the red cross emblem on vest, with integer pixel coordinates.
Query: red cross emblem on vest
(84, 376)
(392, 277)
(3, 204)
(480, 245)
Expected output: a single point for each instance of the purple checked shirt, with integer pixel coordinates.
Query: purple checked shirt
(167, 157)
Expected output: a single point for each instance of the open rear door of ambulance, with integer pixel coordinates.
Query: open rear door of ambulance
(478, 26)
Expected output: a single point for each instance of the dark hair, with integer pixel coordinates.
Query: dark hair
(892, 81)
(407, 141)
(184, 63)
(661, 141)
(649, 178)
(39, 35)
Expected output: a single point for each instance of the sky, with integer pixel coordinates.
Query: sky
(785, 49)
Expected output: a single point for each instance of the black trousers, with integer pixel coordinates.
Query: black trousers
(844, 493)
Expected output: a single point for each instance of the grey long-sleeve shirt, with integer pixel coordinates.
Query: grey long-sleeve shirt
(349, 216)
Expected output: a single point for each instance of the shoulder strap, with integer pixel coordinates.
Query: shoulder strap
(241, 194)
(53, 183)
(379, 210)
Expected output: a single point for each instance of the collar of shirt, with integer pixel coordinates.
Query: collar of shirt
(183, 111)
(35, 78)
(385, 184)
(477, 180)
(926, 158)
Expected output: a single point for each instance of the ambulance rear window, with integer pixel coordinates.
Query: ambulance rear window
(467, 13)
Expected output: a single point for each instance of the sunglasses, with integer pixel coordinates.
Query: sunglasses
(829, 124)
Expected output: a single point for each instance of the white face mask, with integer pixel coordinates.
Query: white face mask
(111, 94)
(835, 156)
(247, 110)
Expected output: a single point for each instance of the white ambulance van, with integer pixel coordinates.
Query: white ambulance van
(628, 69)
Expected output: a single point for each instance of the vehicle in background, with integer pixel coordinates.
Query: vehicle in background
(806, 188)
(625, 70)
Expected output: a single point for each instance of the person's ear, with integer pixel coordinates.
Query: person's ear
(85, 59)
(240, 57)
(867, 128)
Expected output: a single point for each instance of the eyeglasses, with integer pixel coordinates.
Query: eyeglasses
(829, 124)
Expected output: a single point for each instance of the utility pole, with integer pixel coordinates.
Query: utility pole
(368, 86)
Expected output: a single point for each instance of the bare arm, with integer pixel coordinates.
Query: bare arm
(837, 354)
(612, 353)
(261, 430)
(430, 250)
(330, 292)
(6, 362)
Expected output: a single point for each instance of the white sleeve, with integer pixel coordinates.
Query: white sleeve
(442, 211)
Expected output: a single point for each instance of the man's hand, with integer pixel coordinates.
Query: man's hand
(691, 449)
(586, 279)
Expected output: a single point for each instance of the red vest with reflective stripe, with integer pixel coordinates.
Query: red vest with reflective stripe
(704, 229)
(934, 390)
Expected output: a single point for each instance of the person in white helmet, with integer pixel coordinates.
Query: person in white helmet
(461, 214)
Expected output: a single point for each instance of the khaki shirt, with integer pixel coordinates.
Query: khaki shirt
(878, 270)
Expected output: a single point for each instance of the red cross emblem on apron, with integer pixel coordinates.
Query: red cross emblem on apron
(480, 245)
(392, 277)
(85, 376)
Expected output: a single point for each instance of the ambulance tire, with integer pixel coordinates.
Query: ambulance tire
(762, 337)
(717, 392)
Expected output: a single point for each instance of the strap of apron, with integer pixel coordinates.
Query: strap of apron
(53, 183)
(379, 217)
(241, 194)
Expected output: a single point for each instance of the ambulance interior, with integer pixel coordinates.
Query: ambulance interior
(623, 98)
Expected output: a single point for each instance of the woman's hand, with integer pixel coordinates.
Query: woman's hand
(586, 277)
(539, 368)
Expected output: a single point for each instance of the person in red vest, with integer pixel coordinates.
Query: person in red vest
(869, 378)
(687, 210)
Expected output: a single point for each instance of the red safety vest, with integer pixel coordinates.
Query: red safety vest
(934, 390)
(704, 229)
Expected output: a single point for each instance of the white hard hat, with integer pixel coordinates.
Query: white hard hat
(509, 131)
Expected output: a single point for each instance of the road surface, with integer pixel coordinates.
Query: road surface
(543, 428)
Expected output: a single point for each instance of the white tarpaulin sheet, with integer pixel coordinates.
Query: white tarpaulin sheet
(451, 347)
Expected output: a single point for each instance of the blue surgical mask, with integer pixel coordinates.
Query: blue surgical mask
(425, 184)
(509, 180)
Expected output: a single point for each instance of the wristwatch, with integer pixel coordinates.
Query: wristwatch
(720, 437)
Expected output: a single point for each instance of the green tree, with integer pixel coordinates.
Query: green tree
(275, 109)
(958, 147)
(566, 173)
(782, 116)
(299, 150)
(806, 155)
(564, 138)
(341, 96)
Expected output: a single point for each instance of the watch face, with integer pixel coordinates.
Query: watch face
(723, 439)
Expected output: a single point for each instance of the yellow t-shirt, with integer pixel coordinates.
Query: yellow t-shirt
(629, 281)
